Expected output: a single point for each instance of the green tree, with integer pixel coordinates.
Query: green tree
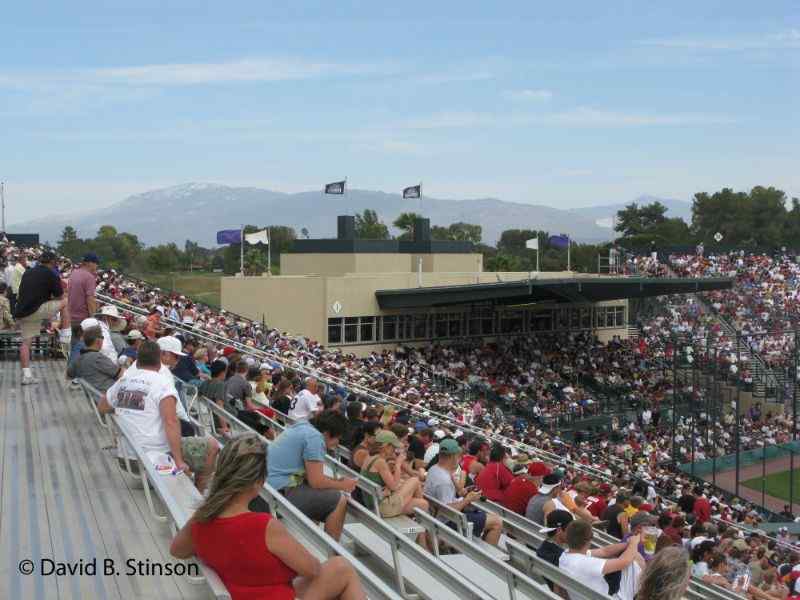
(405, 222)
(635, 220)
(370, 227)
(465, 232)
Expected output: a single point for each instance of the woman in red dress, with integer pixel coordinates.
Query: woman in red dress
(254, 554)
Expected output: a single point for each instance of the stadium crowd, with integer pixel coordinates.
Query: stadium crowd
(419, 451)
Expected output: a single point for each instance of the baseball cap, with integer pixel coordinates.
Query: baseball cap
(557, 519)
(387, 437)
(47, 257)
(439, 434)
(449, 447)
(218, 367)
(135, 334)
(604, 488)
(740, 544)
(228, 351)
(642, 518)
(549, 482)
(90, 257)
(89, 323)
(171, 344)
(538, 469)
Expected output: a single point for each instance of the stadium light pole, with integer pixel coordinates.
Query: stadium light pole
(793, 372)
(736, 419)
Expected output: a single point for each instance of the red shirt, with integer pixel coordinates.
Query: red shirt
(81, 287)
(597, 507)
(518, 494)
(702, 509)
(493, 481)
(235, 547)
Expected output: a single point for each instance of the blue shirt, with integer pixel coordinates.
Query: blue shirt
(287, 454)
(75, 352)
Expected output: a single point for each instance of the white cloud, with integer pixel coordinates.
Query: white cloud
(533, 95)
(238, 71)
(577, 117)
(245, 70)
(774, 41)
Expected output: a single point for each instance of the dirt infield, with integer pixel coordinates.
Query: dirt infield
(727, 481)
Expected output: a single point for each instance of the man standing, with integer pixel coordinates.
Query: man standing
(306, 403)
(146, 402)
(80, 298)
(40, 297)
(15, 280)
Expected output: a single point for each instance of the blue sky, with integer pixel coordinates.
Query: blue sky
(571, 105)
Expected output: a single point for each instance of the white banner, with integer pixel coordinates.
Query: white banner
(532, 244)
(259, 237)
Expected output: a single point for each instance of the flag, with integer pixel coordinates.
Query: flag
(337, 187)
(229, 236)
(415, 191)
(559, 241)
(258, 237)
(532, 244)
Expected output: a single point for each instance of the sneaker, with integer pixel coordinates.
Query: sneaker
(65, 336)
(75, 383)
(29, 380)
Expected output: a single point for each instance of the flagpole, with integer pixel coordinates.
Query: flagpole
(569, 247)
(420, 198)
(269, 251)
(241, 251)
(538, 252)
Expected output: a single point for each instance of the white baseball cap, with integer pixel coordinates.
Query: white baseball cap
(89, 323)
(135, 334)
(171, 344)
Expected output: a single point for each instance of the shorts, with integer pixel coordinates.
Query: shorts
(195, 450)
(478, 519)
(315, 504)
(31, 325)
(391, 506)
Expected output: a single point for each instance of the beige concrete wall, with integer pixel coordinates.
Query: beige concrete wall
(338, 264)
(321, 264)
(292, 304)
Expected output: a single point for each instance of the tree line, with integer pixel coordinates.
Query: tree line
(762, 218)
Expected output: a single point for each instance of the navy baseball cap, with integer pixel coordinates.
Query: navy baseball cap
(91, 257)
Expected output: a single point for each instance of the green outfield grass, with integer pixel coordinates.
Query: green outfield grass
(777, 484)
(202, 286)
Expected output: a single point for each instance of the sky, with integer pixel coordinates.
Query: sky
(569, 105)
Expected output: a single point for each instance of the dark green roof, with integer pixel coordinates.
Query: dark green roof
(583, 289)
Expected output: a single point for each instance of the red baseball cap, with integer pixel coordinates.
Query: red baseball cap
(538, 469)
(604, 488)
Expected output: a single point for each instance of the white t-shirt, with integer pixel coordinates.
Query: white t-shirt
(586, 569)
(108, 345)
(169, 378)
(430, 452)
(304, 404)
(136, 399)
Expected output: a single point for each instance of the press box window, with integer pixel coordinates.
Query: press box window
(335, 331)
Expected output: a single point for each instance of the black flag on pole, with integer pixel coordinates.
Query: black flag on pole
(337, 187)
(415, 191)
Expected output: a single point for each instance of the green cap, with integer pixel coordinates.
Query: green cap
(449, 447)
(387, 437)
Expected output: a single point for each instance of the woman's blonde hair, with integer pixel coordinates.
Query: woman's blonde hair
(241, 463)
(666, 576)
(200, 353)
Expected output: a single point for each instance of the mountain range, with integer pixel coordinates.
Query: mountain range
(196, 211)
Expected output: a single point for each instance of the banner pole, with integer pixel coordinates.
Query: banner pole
(269, 250)
(241, 251)
(569, 247)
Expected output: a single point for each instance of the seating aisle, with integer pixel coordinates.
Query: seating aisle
(64, 499)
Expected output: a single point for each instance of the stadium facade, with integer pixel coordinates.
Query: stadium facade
(365, 295)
